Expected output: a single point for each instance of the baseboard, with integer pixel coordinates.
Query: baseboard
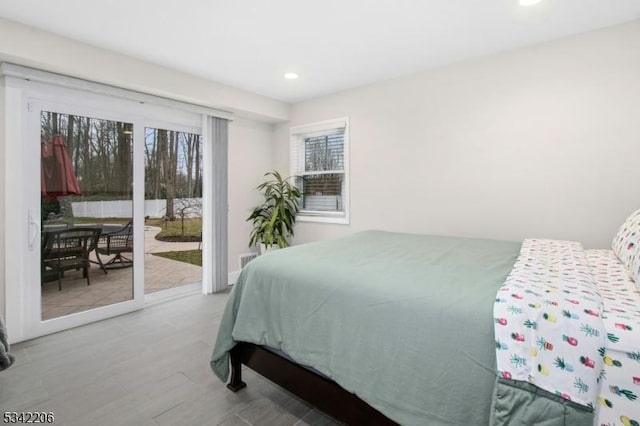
(233, 277)
(172, 293)
(185, 290)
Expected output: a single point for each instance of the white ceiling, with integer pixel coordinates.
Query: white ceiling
(332, 44)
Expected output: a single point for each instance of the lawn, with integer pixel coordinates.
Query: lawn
(190, 256)
(172, 230)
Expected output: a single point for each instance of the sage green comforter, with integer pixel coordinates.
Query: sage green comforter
(404, 321)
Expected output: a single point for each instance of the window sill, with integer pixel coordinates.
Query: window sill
(341, 220)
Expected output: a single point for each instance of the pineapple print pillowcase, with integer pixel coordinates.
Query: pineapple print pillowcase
(634, 265)
(626, 245)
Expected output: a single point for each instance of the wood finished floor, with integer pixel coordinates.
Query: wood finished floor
(146, 368)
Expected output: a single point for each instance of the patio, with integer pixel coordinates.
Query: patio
(116, 286)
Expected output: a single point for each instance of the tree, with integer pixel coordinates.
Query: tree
(170, 165)
(123, 159)
(185, 207)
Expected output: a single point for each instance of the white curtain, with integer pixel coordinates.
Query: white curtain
(215, 255)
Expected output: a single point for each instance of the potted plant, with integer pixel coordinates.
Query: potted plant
(274, 219)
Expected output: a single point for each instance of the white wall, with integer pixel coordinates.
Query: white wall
(39, 49)
(250, 157)
(538, 142)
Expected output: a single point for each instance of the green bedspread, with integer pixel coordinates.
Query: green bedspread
(404, 321)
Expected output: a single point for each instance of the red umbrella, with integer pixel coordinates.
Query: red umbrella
(57, 177)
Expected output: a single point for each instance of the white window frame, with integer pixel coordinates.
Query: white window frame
(297, 134)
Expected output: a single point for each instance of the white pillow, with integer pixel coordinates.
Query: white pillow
(634, 267)
(626, 244)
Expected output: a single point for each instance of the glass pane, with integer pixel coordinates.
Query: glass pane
(322, 153)
(322, 192)
(173, 209)
(86, 213)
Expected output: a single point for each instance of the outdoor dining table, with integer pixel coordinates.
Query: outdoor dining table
(107, 230)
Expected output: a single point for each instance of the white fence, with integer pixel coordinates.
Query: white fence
(124, 208)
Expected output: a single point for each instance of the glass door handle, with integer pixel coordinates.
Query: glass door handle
(32, 230)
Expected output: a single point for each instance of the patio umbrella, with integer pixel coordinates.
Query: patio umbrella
(57, 177)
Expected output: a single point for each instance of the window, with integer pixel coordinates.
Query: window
(320, 163)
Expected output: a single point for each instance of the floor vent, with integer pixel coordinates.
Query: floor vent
(246, 258)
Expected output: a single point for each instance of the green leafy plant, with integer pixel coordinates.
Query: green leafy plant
(274, 219)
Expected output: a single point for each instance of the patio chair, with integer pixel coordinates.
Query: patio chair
(69, 249)
(114, 244)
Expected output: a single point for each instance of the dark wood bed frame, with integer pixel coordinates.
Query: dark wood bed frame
(322, 393)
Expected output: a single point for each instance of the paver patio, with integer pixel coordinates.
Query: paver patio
(117, 285)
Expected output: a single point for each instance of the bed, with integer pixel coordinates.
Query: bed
(386, 328)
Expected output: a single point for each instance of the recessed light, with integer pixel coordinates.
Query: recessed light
(529, 2)
(291, 76)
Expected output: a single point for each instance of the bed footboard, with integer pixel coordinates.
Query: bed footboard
(318, 391)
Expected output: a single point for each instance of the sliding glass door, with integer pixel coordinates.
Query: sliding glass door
(86, 213)
(173, 207)
(80, 165)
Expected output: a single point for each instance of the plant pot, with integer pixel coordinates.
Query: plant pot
(265, 250)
